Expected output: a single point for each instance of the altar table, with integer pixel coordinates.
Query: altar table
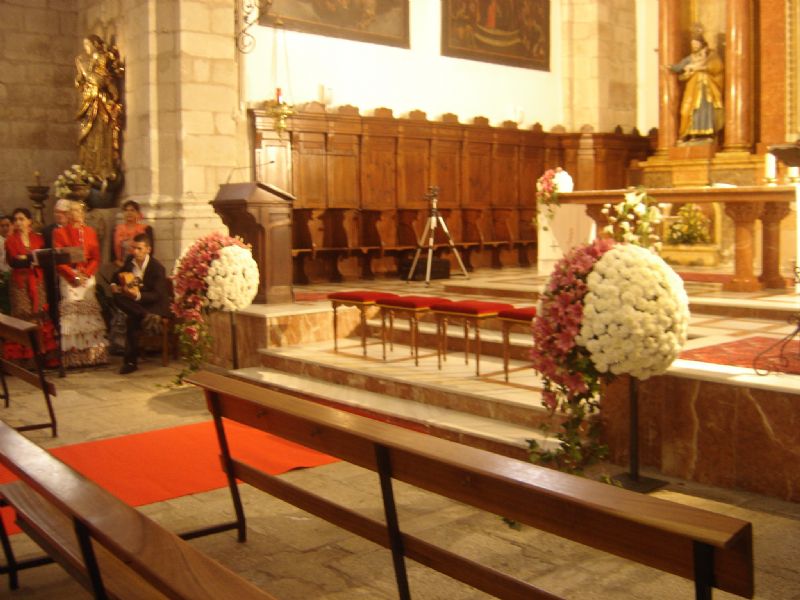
(770, 204)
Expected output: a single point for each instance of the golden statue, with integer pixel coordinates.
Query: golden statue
(701, 111)
(99, 74)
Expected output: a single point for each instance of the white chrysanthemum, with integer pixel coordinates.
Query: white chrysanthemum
(232, 279)
(635, 328)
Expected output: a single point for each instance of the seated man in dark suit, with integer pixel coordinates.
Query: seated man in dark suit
(141, 288)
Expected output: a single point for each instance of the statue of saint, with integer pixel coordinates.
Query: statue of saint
(99, 71)
(702, 115)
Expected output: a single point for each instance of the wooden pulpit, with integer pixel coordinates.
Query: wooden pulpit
(261, 215)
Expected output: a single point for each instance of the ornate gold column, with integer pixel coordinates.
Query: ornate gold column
(668, 92)
(771, 217)
(744, 215)
(739, 77)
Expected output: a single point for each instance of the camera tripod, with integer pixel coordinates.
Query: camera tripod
(429, 233)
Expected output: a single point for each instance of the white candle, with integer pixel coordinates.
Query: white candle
(770, 167)
(793, 173)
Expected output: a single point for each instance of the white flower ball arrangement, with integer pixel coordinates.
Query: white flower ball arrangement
(635, 313)
(232, 279)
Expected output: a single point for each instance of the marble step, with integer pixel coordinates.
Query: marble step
(488, 434)
(454, 387)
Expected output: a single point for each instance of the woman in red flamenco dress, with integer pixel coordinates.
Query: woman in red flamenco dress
(26, 289)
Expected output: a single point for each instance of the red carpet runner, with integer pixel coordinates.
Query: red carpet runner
(741, 353)
(150, 467)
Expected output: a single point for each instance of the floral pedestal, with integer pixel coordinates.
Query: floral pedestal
(695, 255)
(569, 227)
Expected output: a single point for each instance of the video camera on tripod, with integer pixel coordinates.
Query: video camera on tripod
(426, 240)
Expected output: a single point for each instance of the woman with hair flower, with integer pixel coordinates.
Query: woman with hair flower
(83, 331)
(123, 234)
(26, 288)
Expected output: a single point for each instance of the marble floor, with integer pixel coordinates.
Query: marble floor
(294, 555)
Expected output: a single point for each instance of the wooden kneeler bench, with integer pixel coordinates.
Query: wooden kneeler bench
(26, 334)
(112, 549)
(712, 549)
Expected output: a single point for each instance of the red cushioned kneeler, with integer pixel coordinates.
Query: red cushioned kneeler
(406, 306)
(509, 318)
(361, 299)
(471, 312)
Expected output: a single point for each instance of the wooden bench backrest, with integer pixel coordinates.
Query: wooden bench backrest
(23, 333)
(171, 565)
(648, 530)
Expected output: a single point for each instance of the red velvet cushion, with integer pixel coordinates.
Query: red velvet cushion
(413, 302)
(526, 313)
(473, 308)
(362, 296)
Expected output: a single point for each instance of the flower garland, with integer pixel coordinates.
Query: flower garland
(217, 272)
(75, 174)
(635, 220)
(608, 309)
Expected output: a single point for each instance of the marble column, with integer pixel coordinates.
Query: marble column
(668, 92)
(739, 77)
(771, 217)
(744, 215)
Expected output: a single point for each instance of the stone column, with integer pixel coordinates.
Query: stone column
(771, 217)
(744, 215)
(739, 77)
(668, 54)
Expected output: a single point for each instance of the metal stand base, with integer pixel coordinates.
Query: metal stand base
(643, 485)
(434, 220)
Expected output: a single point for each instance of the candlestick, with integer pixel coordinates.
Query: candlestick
(770, 168)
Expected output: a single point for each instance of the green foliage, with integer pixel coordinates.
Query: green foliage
(579, 439)
(194, 344)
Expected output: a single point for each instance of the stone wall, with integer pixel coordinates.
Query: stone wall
(599, 58)
(185, 129)
(37, 99)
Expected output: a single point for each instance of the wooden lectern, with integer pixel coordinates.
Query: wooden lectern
(262, 216)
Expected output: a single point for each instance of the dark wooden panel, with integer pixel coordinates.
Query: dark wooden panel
(378, 172)
(413, 166)
(478, 174)
(343, 171)
(446, 171)
(309, 172)
(505, 175)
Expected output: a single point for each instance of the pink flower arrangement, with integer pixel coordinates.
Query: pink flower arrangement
(546, 191)
(190, 301)
(566, 368)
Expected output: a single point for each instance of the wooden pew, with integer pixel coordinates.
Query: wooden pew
(109, 547)
(27, 335)
(712, 549)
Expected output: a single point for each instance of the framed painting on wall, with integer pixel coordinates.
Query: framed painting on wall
(375, 21)
(506, 32)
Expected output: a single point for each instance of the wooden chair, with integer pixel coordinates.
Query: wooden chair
(27, 334)
(509, 318)
(158, 333)
(411, 307)
(361, 299)
(471, 313)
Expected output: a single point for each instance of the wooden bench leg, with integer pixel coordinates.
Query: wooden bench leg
(335, 329)
(506, 347)
(477, 327)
